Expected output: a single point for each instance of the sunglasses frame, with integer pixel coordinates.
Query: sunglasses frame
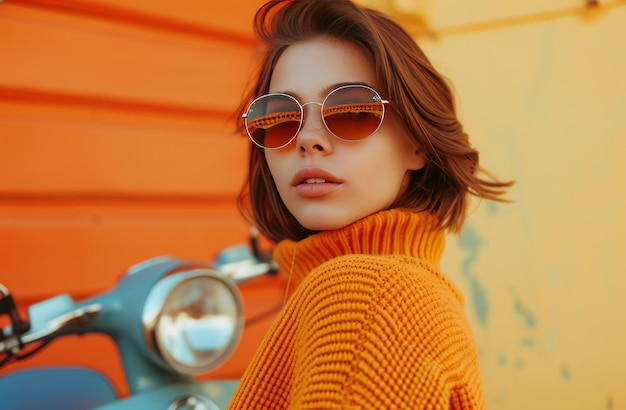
(301, 106)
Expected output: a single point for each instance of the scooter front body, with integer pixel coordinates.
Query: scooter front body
(77, 388)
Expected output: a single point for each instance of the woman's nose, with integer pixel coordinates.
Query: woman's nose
(313, 136)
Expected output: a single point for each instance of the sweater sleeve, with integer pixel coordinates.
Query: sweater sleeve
(368, 332)
(383, 333)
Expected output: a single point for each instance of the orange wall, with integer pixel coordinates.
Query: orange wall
(116, 145)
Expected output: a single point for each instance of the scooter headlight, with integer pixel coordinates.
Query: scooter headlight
(192, 320)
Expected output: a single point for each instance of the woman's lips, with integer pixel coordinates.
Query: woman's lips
(315, 183)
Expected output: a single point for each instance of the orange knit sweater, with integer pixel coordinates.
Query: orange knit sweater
(372, 324)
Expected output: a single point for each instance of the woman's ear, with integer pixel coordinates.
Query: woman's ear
(417, 160)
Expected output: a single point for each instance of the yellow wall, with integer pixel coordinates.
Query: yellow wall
(541, 88)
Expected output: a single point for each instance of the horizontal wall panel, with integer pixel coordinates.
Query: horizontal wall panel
(233, 17)
(48, 148)
(83, 247)
(79, 55)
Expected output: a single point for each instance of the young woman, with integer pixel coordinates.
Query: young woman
(358, 166)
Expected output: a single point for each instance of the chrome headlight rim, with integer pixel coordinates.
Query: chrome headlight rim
(158, 300)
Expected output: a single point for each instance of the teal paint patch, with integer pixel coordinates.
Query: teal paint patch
(479, 300)
(470, 242)
(527, 317)
(492, 208)
(529, 343)
(565, 375)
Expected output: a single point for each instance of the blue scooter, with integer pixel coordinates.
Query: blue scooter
(170, 319)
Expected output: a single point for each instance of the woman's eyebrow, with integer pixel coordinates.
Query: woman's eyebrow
(325, 91)
(332, 87)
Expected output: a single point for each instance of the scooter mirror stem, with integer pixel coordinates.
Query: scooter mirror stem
(8, 307)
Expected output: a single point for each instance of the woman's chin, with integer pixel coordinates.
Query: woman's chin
(320, 221)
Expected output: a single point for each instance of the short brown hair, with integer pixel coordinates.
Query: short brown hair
(418, 93)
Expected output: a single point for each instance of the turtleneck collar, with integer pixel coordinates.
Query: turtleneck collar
(384, 233)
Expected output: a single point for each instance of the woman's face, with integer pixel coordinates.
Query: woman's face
(325, 182)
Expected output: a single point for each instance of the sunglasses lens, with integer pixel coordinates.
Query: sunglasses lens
(353, 112)
(273, 120)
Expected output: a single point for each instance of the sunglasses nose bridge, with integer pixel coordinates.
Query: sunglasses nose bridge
(312, 124)
(311, 102)
(304, 110)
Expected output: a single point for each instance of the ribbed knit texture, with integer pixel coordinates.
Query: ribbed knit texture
(372, 324)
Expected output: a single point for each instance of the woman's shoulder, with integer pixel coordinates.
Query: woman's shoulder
(405, 298)
(405, 278)
(386, 271)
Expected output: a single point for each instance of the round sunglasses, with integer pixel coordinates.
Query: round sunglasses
(350, 113)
